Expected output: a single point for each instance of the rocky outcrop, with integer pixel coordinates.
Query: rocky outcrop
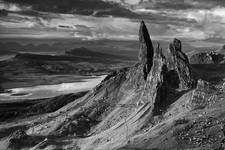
(202, 95)
(201, 58)
(207, 58)
(125, 103)
(178, 64)
(146, 51)
(156, 89)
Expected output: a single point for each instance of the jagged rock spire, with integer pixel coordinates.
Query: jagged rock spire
(176, 48)
(158, 52)
(146, 52)
(178, 61)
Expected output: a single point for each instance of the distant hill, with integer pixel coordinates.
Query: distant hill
(207, 58)
(27, 69)
(86, 53)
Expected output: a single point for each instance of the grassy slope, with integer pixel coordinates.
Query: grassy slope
(25, 108)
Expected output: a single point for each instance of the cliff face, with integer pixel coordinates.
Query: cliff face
(178, 63)
(127, 103)
(146, 51)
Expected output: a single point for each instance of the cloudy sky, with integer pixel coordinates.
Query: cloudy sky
(191, 20)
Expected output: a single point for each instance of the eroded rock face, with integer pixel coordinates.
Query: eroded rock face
(202, 95)
(201, 58)
(155, 69)
(178, 62)
(156, 86)
(146, 52)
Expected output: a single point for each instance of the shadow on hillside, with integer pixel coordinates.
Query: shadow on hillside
(214, 73)
(172, 96)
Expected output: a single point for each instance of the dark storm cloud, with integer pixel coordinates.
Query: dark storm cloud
(84, 7)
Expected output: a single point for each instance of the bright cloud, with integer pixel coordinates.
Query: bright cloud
(86, 27)
(198, 24)
(131, 2)
(13, 7)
